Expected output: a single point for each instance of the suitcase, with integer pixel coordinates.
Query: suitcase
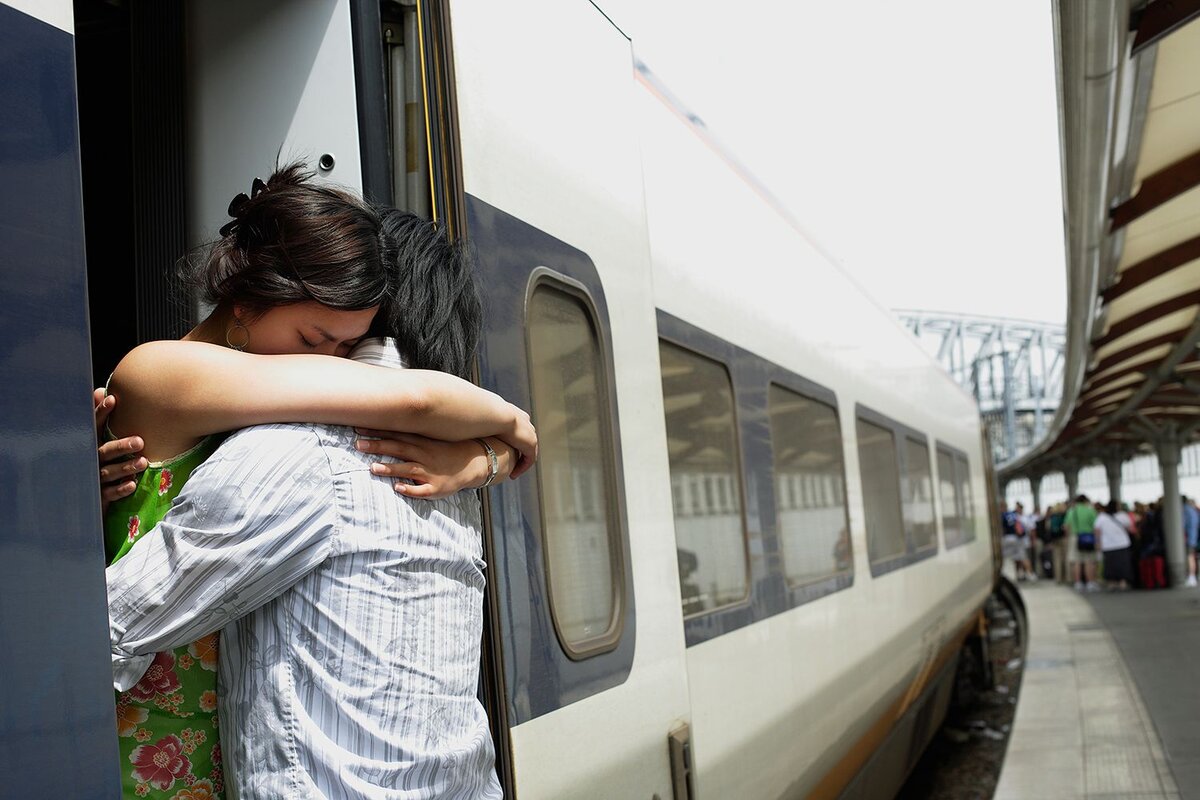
(1046, 562)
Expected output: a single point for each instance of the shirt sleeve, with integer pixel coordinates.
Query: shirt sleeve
(250, 522)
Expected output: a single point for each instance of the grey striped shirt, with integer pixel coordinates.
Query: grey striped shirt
(350, 618)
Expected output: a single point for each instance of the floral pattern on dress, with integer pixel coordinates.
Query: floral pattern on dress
(160, 679)
(164, 482)
(129, 717)
(200, 790)
(206, 651)
(160, 764)
(167, 726)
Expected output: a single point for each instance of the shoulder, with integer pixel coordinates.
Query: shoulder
(277, 448)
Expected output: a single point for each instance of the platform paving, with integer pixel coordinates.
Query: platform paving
(1158, 634)
(1082, 730)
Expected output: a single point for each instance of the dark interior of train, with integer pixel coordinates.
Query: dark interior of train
(131, 144)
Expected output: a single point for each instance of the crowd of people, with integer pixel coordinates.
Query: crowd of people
(1093, 545)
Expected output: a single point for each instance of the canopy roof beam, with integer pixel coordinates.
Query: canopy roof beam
(1166, 184)
(1160, 19)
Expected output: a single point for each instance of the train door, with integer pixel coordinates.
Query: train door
(57, 726)
(588, 661)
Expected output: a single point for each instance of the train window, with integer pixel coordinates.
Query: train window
(577, 491)
(964, 490)
(702, 444)
(881, 491)
(948, 490)
(918, 495)
(807, 443)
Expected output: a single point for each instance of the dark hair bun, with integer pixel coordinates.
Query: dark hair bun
(293, 241)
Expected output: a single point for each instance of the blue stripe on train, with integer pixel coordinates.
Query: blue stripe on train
(57, 728)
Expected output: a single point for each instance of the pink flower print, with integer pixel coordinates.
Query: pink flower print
(160, 764)
(208, 700)
(185, 661)
(161, 678)
(142, 735)
(134, 525)
(142, 789)
(164, 482)
(216, 754)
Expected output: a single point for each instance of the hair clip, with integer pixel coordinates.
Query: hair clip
(238, 204)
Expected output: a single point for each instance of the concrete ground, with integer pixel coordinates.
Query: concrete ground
(1158, 634)
(1082, 730)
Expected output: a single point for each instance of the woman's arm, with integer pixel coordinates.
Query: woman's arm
(174, 393)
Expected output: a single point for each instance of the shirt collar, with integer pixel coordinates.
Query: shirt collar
(379, 352)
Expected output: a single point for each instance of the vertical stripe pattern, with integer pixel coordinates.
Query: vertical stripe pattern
(351, 619)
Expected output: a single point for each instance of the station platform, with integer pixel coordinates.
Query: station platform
(1109, 706)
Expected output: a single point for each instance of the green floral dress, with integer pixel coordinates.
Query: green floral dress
(167, 723)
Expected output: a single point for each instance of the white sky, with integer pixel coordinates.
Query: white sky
(917, 142)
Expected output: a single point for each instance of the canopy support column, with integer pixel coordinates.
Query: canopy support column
(1172, 508)
(1070, 473)
(1035, 488)
(1113, 461)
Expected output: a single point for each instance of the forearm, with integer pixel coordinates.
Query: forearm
(208, 389)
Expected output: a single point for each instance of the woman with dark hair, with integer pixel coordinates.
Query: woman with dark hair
(300, 273)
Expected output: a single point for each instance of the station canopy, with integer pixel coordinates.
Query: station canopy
(1129, 117)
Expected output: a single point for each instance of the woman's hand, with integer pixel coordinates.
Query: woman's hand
(438, 469)
(120, 463)
(523, 439)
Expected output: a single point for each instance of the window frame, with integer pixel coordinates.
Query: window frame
(930, 457)
(618, 532)
(738, 467)
(801, 592)
(900, 432)
(962, 493)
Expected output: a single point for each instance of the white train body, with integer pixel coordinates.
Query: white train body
(558, 130)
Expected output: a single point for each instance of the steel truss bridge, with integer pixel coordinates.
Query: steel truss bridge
(1013, 369)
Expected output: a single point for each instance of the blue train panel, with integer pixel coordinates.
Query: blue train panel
(57, 725)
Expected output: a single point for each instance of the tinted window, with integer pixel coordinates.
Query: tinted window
(918, 495)
(881, 491)
(705, 487)
(951, 500)
(809, 487)
(964, 491)
(577, 495)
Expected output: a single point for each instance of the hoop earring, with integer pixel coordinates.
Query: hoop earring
(237, 325)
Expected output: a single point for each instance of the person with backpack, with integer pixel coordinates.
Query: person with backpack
(1056, 541)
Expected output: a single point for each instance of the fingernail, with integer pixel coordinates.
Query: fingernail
(400, 488)
(108, 401)
(361, 445)
(377, 468)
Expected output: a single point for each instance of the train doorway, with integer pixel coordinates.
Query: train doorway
(129, 72)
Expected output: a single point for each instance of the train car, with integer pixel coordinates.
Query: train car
(758, 539)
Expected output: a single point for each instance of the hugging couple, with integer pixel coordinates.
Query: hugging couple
(317, 586)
